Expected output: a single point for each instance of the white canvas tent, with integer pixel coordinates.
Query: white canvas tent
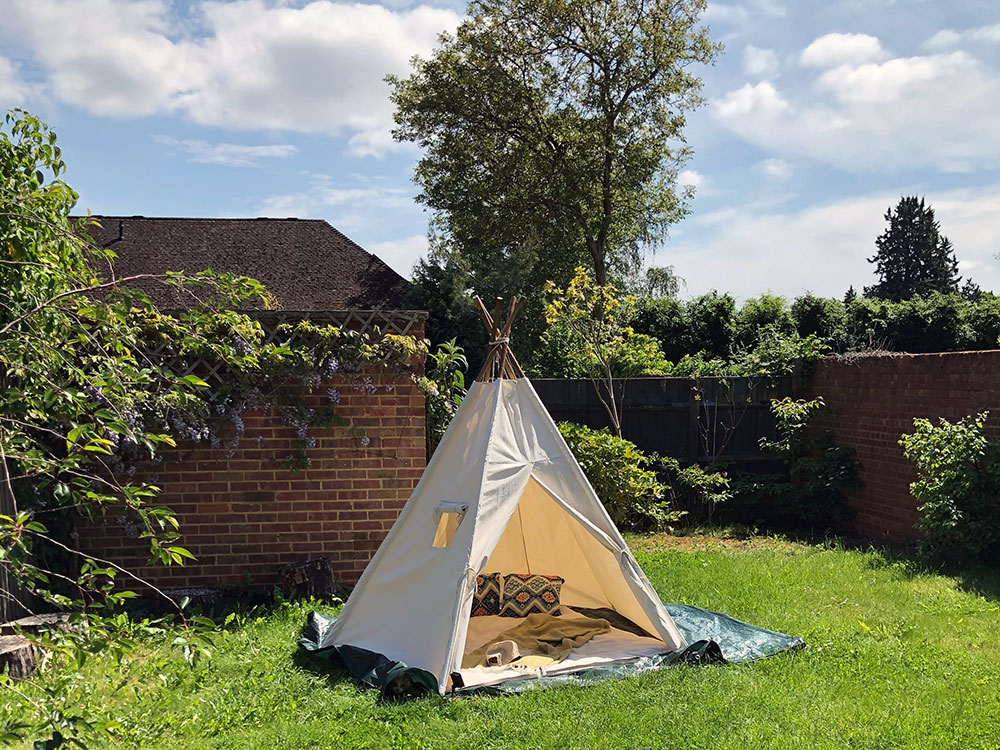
(503, 493)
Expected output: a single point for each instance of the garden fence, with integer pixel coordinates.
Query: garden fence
(690, 419)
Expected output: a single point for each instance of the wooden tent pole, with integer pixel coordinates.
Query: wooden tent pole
(484, 371)
(502, 355)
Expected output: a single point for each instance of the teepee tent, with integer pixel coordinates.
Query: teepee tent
(502, 493)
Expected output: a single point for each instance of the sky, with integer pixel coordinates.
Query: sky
(818, 117)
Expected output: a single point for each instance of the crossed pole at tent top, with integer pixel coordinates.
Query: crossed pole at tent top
(500, 360)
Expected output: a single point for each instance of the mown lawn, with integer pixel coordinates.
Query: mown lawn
(896, 658)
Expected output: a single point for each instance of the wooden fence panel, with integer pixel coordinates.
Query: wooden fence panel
(11, 594)
(687, 418)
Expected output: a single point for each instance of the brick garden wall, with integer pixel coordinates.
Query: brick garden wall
(242, 514)
(872, 400)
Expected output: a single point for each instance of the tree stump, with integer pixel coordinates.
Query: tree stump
(311, 578)
(17, 657)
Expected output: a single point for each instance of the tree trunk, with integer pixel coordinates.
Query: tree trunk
(309, 579)
(17, 657)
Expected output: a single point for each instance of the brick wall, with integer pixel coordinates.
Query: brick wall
(242, 513)
(872, 400)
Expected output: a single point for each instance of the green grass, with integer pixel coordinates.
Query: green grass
(896, 658)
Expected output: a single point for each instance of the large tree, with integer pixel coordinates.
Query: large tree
(913, 257)
(552, 132)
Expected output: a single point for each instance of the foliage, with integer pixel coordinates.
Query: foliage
(822, 317)
(83, 401)
(655, 283)
(811, 494)
(913, 257)
(664, 319)
(592, 318)
(623, 477)
(958, 487)
(441, 286)
(778, 353)
(557, 354)
(445, 391)
(568, 151)
(768, 311)
(697, 489)
(982, 322)
(711, 324)
(918, 324)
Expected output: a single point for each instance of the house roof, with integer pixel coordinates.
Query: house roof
(305, 263)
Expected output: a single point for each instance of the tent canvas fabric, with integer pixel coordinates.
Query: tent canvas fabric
(504, 493)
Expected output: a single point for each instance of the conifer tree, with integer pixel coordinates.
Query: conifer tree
(913, 257)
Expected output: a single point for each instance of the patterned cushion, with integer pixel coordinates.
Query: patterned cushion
(487, 598)
(526, 594)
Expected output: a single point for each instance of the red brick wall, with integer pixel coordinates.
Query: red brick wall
(872, 400)
(242, 513)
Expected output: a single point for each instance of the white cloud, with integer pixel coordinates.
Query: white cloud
(725, 13)
(247, 64)
(750, 249)
(947, 38)
(831, 50)
(934, 111)
(757, 100)
(12, 88)
(691, 178)
(758, 61)
(353, 208)
(401, 254)
(228, 154)
(740, 14)
(777, 169)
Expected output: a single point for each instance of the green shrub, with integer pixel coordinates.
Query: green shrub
(936, 323)
(817, 470)
(445, 389)
(623, 477)
(822, 317)
(768, 311)
(779, 353)
(958, 487)
(711, 325)
(663, 319)
(554, 356)
(982, 320)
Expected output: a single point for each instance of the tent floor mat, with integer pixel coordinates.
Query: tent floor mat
(712, 637)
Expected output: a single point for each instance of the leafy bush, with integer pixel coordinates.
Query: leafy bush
(958, 486)
(982, 321)
(817, 469)
(711, 325)
(768, 311)
(623, 477)
(664, 319)
(822, 317)
(556, 355)
(445, 389)
(778, 353)
(937, 323)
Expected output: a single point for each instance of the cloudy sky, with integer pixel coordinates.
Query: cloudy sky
(820, 114)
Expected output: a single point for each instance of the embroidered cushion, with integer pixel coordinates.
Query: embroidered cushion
(526, 594)
(487, 598)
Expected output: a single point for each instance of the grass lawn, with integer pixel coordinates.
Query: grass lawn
(895, 658)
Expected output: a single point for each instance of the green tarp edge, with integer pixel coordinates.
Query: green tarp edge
(713, 638)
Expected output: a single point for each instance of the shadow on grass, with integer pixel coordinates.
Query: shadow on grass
(324, 664)
(979, 579)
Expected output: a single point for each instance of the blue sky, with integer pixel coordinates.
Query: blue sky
(819, 116)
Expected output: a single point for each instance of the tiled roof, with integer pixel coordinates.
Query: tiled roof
(305, 263)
